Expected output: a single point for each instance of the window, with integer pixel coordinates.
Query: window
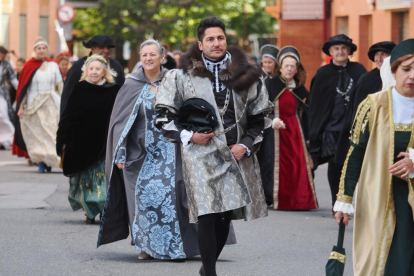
(43, 27)
(400, 26)
(342, 25)
(4, 34)
(22, 48)
(365, 39)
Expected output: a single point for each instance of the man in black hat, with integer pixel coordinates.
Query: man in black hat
(329, 100)
(99, 45)
(369, 83)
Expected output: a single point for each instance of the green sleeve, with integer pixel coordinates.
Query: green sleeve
(353, 169)
(353, 163)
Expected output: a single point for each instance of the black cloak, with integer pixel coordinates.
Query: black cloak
(322, 98)
(83, 125)
(75, 73)
(369, 83)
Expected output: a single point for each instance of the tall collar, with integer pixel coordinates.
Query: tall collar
(339, 66)
(222, 63)
(215, 68)
(290, 84)
(99, 83)
(239, 74)
(402, 108)
(139, 75)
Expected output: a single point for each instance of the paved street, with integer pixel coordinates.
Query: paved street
(41, 235)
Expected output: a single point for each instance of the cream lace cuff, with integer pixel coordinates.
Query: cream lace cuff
(185, 136)
(248, 153)
(411, 153)
(343, 207)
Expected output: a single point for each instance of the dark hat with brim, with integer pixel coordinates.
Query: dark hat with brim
(402, 49)
(99, 40)
(288, 51)
(384, 46)
(336, 40)
(269, 50)
(3, 50)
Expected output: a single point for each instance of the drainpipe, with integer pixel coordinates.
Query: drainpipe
(325, 21)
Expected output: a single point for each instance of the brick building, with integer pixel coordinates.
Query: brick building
(23, 21)
(307, 24)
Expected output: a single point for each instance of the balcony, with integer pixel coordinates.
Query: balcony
(82, 4)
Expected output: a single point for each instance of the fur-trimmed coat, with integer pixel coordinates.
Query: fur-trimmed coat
(215, 182)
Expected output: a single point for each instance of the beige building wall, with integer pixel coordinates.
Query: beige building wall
(40, 16)
(369, 24)
(366, 22)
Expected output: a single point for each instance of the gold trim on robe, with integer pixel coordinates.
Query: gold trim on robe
(277, 159)
(374, 203)
(308, 159)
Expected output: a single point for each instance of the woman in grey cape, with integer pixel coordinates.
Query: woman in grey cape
(146, 192)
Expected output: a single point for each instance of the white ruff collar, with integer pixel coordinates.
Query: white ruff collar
(215, 68)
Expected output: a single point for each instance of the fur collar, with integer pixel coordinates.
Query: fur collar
(238, 75)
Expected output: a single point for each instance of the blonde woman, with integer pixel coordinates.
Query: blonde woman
(82, 135)
(38, 108)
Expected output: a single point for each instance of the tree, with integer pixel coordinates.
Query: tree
(171, 21)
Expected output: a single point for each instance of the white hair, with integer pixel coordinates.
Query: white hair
(147, 42)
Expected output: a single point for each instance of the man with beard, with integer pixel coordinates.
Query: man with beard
(99, 45)
(369, 83)
(329, 100)
(220, 168)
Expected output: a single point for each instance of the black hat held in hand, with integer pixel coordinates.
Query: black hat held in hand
(99, 40)
(384, 46)
(336, 40)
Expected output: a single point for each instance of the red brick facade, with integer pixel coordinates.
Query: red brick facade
(362, 21)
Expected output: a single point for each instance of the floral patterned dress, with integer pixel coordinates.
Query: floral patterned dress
(155, 226)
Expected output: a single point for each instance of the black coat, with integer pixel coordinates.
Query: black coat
(83, 126)
(369, 83)
(75, 73)
(322, 99)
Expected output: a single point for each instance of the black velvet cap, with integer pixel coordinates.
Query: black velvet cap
(384, 46)
(402, 49)
(338, 39)
(99, 40)
(269, 50)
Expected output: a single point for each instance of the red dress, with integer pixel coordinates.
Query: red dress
(295, 187)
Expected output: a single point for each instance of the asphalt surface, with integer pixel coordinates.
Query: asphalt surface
(41, 235)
